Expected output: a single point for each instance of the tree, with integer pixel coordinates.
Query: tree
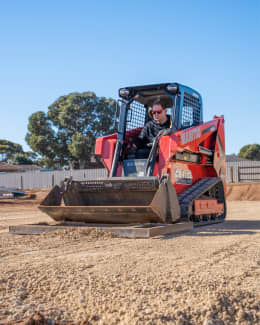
(8, 149)
(67, 133)
(250, 151)
(41, 137)
(81, 147)
(21, 159)
(13, 153)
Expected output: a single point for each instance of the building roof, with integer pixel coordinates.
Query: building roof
(4, 167)
(234, 158)
(29, 167)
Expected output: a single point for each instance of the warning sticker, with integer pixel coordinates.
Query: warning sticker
(183, 176)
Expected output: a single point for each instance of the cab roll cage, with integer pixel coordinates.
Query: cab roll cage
(187, 112)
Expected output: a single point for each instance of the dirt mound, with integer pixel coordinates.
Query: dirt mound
(88, 234)
(31, 197)
(243, 192)
(39, 194)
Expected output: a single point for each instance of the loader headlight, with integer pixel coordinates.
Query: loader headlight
(124, 92)
(172, 88)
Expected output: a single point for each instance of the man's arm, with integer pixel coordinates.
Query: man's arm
(143, 137)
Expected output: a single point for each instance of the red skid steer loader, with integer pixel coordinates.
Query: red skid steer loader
(181, 179)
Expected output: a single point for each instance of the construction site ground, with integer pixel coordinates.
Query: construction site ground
(208, 276)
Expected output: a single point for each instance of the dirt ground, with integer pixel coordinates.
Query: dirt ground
(243, 192)
(210, 276)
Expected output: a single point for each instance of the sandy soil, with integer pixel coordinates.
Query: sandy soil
(243, 192)
(209, 276)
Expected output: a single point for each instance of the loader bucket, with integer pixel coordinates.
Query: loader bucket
(113, 200)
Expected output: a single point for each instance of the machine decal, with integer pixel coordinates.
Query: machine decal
(134, 167)
(190, 135)
(183, 176)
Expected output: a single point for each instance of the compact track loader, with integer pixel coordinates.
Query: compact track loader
(181, 179)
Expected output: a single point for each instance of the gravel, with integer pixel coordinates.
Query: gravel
(210, 276)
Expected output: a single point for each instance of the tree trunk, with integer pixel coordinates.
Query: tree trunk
(71, 165)
(81, 164)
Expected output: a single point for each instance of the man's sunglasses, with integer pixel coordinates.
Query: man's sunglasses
(158, 111)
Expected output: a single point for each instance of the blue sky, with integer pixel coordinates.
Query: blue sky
(52, 48)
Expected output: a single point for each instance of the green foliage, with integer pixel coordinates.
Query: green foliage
(13, 154)
(41, 137)
(250, 151)
(43, 162)
(67, 133)
(8, 149)
(81, 147)
(21, 159)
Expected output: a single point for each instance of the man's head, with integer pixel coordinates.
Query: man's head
(159, 112)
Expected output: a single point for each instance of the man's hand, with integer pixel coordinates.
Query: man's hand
(165, 132)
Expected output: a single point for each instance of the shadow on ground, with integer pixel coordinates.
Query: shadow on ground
(227, 228)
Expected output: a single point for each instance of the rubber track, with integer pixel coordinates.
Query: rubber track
(187, 197)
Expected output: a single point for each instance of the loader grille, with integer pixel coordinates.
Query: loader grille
(120, 184)
(136, 116)
(191, 114)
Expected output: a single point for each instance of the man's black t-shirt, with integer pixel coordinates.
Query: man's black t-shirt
(150, 131)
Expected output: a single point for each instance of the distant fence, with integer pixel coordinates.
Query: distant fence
(251, 173)
(237, 172)
(241, 172)
(42, 179)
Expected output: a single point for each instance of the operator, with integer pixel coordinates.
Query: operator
(160, 121)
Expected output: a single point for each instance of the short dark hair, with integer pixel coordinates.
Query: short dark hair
(159, 102)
